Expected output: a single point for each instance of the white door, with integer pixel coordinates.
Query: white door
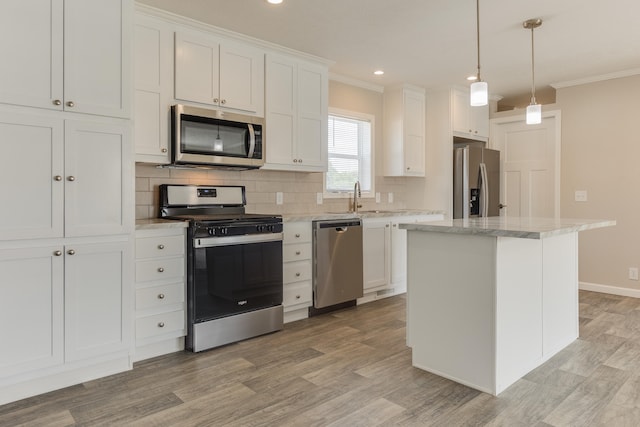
(530, 165)
(242, 78)
(311, 144)
(414, 133)
(197, 69)
(281, 109)
(376, 262)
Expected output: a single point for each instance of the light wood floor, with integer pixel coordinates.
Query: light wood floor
(352, 368)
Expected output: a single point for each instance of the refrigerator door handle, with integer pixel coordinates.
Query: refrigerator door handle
(484, 191)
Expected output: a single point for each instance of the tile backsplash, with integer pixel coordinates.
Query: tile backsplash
(299, 190)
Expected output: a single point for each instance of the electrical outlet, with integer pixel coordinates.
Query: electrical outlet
(390, 198)
(580, 196)
(377, 197)
(633, 273)
(318, 198)
(279, 198)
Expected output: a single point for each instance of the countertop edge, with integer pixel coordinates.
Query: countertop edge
(158, 224)
(361, 215)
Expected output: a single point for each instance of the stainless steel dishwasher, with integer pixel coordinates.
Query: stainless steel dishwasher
(337, 263)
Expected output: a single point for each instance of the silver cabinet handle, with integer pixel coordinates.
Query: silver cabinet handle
(57, 102)
(71, 178)
(223, 101)
(71, 252)
(500, 206)
(298, 252)
(160, 270)
(71, 104)
(57, 178)
(297, 296)
(160, 324)
(295, 160)
(161, 246)
(160, 296)
(164, 150)
(297, 274)
(216, 100)
(394, 225)
(297, 235)
(387, 225)
(299, 160)
(57, 253)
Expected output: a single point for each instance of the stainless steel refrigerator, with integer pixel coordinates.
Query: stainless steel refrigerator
(476, 182)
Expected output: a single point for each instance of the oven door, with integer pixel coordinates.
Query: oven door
(235, 274)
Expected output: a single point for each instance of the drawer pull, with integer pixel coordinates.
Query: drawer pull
(298, 252)
(160, 246)
(297, 235)
(297, 296)
(160, 324)
(71, 252)
(297, 274)
(161, 270)
(160, 296)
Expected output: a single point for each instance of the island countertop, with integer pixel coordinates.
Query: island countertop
(519, 227)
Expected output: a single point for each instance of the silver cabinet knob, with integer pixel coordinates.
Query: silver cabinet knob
(71, 178)
(216, 100)
(71, 252)
(161, 246)
(223, 101)
(295, 160)
(57, 178)
(160, 324)
(57, 253)
(298, 252)
(299, 160)
(470, 130)
(500, 206)
(160, 296)
(297, 235)
(387, 225)
(297, 296)
(297, 274)
(70, 104)
(394, 225)
(57, 102)
(164, 150)
(160, 270)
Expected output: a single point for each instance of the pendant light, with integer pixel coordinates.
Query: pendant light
(534, 110)
(479, 89)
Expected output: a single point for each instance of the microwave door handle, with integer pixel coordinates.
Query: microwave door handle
(252, 141)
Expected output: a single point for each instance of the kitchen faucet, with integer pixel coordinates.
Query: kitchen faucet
(356, 194)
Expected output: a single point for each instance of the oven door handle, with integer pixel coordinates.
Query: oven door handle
(209, 242)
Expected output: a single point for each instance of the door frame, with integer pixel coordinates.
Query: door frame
(557, 114)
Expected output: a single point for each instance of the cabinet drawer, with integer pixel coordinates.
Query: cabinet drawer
(296, 271)
(160, 324)
(296, 293)
(159, 296)
(159, 269)
(153, 247)
(297, 232)
(297, 252)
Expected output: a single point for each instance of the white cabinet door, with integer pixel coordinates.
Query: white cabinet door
(399, 251)
(153, 89)
(97, 299)
(220, 73)
(375, 243)
(469, 122)
(414, 134)
(281, 110)
(97, 37)
(31, 309)
(312, 116)
(37, 143)
(98, 179)
(31, 46)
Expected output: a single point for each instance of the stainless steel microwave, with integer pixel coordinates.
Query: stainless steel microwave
(204, 137)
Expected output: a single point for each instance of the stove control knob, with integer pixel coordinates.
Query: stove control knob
(271, 228)
(224, 231)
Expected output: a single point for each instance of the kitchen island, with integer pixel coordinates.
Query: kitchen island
(490, 299)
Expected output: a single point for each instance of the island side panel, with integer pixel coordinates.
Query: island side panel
(519, 309)
(451, 305)
(560, 292)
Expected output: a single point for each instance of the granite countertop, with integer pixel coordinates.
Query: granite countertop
(361, 214)
(525, 228)
(156, 223)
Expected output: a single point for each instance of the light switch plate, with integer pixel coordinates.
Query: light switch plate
(581, 196)
(279, 198)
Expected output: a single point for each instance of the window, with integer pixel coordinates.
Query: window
(350, 153)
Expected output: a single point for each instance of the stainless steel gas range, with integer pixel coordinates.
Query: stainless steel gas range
(234, 264)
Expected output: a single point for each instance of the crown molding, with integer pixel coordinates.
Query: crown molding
(355, 82)
(595, 79)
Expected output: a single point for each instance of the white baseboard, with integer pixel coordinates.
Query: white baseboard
(608, 289)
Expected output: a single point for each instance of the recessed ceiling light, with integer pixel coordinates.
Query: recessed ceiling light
(472, 78)
(274, 1)
(378, 72)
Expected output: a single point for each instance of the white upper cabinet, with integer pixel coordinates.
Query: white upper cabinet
(66, 55)
(404, 132)
(222, 73)
(296, 115)
(469, 122)
(153, 89)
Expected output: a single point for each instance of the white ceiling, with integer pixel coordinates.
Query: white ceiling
(433, 42)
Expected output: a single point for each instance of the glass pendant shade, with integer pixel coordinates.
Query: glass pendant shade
(479, 94)
(534, 114)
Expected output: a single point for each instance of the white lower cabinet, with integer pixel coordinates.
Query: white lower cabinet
(297, 270)
(385, 255)
(160, 295)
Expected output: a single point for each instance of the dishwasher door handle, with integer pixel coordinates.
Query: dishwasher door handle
(341, 229)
